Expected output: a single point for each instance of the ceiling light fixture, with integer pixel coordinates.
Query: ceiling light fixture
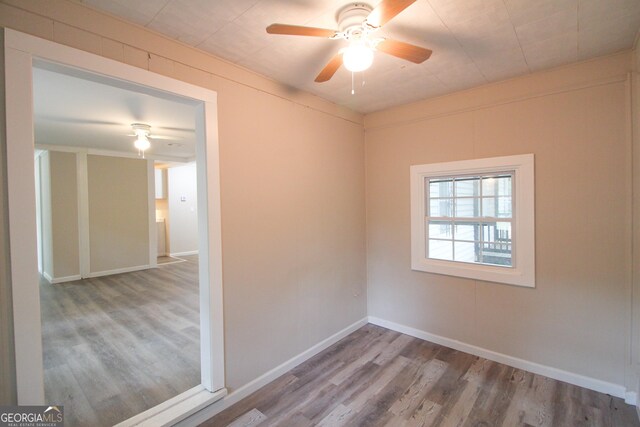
(357, 57)
(142, 133)
(357, 24)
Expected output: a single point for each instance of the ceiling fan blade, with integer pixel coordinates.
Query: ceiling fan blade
(404, 50)
(75, 121)
(297, 30)
(387, 10)
(330, 69)
(157, 137)
(164, 137)
(176, 129)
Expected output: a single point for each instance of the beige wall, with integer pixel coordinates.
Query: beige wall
(63, 205)
(292, 176)
(292, 229)
(576, 122)
(118, 213)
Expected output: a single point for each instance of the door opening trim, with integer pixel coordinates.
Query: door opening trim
(22, 53)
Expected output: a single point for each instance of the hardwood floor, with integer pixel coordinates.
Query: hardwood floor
(117, 345)
(377, 377)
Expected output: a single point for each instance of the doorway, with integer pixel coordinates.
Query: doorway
(23, 53)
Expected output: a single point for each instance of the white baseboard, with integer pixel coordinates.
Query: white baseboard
(183, 253)
(261, 381)
(65, 279)
(536, 368)
(54, 280)
(118, 271)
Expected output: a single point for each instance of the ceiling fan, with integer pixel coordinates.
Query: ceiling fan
(142, 132)
(357, 23)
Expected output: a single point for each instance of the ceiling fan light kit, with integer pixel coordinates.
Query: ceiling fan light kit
(142, 143)
(357, 57)
(142, 132)
(357, 23)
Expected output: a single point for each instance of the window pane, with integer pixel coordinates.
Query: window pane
(496, 186)
(496, 232)
(440, 230)
(468, 231)
(497, 254)
(467, 252)
(497, 207)
(504, 207)
(489, 206)
(467, 187)
(441, 249)
(440, 188)
(496, 247)
(440, 207)
(466, 208)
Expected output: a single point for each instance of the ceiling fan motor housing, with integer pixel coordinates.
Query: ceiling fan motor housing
(141, 129)
(351, 17)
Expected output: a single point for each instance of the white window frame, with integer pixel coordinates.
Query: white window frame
(522, 271)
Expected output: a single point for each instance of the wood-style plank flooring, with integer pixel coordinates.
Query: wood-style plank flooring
(377, 377)
(118, 345)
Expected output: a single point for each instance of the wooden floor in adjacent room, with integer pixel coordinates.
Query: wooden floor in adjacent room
(118, 345)
(377, 377)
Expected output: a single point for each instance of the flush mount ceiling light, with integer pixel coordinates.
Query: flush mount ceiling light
(357, 23)
(142, 132)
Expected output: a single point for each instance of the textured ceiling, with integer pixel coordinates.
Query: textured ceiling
(73, 111)
(473, 41)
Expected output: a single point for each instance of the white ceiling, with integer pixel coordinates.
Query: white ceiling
(77, 112)
(473, 41)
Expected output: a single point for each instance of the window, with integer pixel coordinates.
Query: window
(475, 219)
(469, 218)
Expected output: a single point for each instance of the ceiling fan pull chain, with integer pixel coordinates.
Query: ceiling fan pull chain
(353, 91)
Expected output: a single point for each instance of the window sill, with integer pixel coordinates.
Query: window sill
(486, 273)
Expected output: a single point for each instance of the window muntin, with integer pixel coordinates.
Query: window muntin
(469, 218)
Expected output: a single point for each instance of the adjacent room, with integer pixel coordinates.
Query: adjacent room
(117, 246)
(321, 212)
